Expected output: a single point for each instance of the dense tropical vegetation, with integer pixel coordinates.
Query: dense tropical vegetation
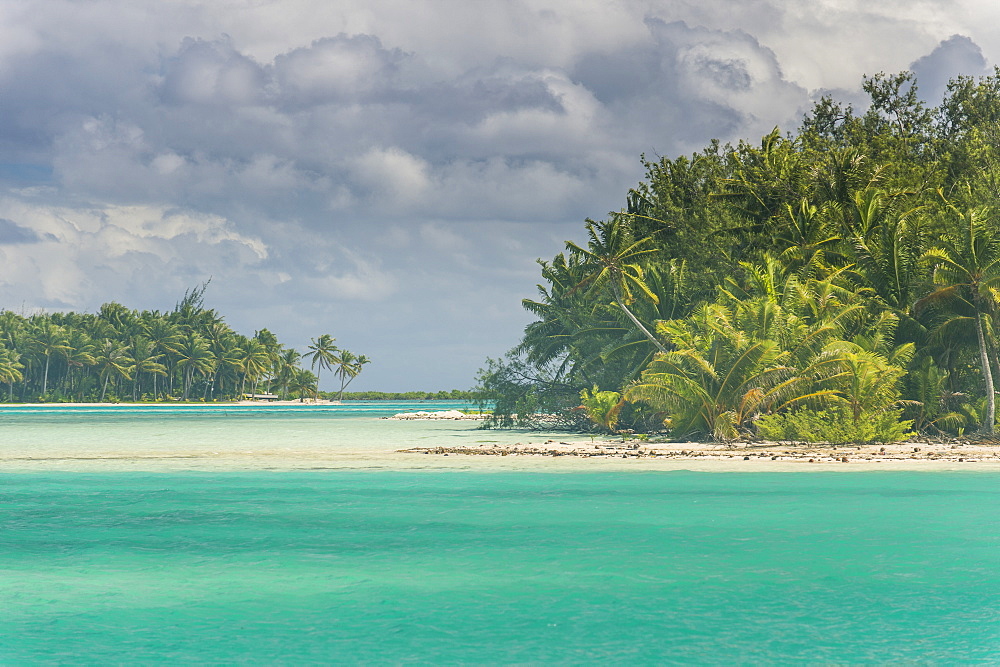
(186, 354)
(836, 283)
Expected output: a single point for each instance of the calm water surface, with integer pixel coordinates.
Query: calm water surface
(465, 567)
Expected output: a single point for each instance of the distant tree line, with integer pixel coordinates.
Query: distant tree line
(188, 353)
(837, 283)
(453, 395)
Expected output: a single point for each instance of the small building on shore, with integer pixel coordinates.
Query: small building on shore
(260, 397)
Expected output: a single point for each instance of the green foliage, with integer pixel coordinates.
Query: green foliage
(801, 272)
(835, 426)
(716, 379)
(118, 354)
(602, 407)
(452, 395)
(525, 395)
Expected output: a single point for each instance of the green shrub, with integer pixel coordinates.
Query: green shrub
(835, 426)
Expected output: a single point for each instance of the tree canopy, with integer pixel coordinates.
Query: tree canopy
(848, 269)
(118, 354)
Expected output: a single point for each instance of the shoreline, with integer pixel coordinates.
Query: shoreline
(545, 456)
(915, 454)
(442, 441)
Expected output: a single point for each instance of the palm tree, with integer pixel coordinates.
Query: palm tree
(348, 367)
(10, 370)
(80, 353)
(113, 361)
(193, 356)
(146, 361)
(717, 379)
(254, 363)
(165, 337)
(49, 339)
(610, 262)
(303, 382)
(228, 361)
(603, 407)
(967, 272)
(322, 355)
(285, 369)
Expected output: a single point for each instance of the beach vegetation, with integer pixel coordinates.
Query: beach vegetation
(840, 282)
(602, 407)
(321, 355)
(188, 353)
(834, 426)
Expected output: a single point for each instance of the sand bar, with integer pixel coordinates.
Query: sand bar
(539, 455)
(213, 440)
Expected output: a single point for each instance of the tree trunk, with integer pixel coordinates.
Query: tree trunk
(990, 419)
(635, 320)
(45, 381)
(346, 386)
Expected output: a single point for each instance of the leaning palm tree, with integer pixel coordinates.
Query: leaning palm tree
(321, 354)
(610, 262)
(348, 367)
(967, 275)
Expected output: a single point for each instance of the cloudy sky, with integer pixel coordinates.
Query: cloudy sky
(387, 171)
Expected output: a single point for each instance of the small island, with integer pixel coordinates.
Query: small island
(836, 284)
(186, 354)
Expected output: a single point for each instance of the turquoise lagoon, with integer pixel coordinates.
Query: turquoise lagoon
(412, 564)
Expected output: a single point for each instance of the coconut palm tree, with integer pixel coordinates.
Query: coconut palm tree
(193, 356)
(254, 363)
(966, 268)
(10, 370)
(146, 359)
(227, 362)
(113, 361)
(48, 339)
(80, 353)
(321, 354)
(303, 383)
(348, 367)
(611, 262)
(717, 378)
(285, 369)
(166, 339)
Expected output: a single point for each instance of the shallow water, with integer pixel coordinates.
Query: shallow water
(102, 561)
(446, 567)
(214, 437)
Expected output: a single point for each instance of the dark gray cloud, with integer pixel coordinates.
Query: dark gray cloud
(12, 233)
(953, 56)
